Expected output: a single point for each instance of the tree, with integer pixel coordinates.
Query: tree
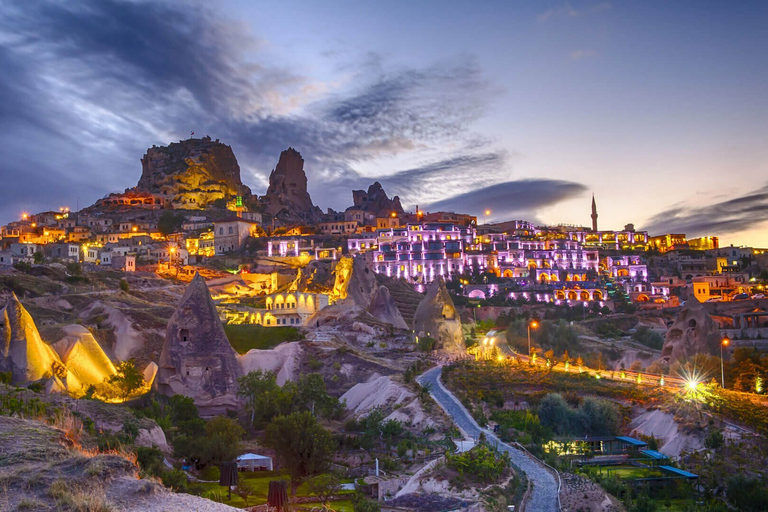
(324, 486)
(128, 379)
(169, 222)
(243, 490)
(38, 257)
(311, 394)
(221, 442)
(263, 397)
(124, 285)
(303, 447)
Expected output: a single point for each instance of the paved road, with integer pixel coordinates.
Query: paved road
(544, 492)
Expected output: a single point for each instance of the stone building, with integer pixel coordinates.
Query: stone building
(230, 234)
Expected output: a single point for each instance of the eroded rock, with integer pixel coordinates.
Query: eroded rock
(693, 332)
(436, 317)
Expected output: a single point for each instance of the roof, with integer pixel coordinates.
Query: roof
(678, 472)
(653, 454)
(234, 219)
(631, 440)
(253, 456)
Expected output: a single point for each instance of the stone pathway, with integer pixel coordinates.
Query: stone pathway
(544, 492)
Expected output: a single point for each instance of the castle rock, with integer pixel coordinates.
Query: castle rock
(191, 173)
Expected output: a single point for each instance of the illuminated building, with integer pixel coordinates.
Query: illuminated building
(231, 233)
(664, 243)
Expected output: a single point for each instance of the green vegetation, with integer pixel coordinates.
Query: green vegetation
(648, 337)
(302, 445)
(244, 337)
(266, 400)
(481, 465)
(170, 222)
(592, 417)
(128, 379)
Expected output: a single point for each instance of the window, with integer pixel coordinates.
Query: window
(230, 230)
(221, 231)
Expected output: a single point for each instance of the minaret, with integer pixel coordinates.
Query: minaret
(594, 214)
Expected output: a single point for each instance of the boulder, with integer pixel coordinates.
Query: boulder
(436, 317)
(693, 332)
(22, 350)
(287, 198)
(384, 309)
(197, 359)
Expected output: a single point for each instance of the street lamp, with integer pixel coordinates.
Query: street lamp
(533, 325)
(723, 343)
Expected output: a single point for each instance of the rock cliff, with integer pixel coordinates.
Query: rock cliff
(197, 359)
(287, 198)
(375, 200)
(437, 318)
(192, 173)
(693, 332)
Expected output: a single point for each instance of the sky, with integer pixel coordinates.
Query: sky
(525, 109)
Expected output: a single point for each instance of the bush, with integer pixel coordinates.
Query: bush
(648, 337)
(748, 494)
(426, 344)
(481, 464)
(150, 459)
(175, 479)
(124, 285)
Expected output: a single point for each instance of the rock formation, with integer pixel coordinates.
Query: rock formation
(192, 173)
(22, 351)
(437, 318)
(375, 201)
(197, 359)
(287, 198)
(361, 284)
(83, 356)
(384, 309)
(693, 332)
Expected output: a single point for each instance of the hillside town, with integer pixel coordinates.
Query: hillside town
(189, 285)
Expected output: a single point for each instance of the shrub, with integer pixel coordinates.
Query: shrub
(175, 479)
(748, 494)
(124, 285)
(648, 337)
(481, 464)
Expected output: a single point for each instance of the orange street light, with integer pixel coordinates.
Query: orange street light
(723, 343)
(533, 325)
(394, 214)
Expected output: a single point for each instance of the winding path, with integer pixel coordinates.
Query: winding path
(544, 492)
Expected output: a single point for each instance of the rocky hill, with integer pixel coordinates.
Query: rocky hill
(375, 200)
(192, 173)
(287, 198)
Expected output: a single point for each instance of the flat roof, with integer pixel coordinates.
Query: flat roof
(679, 472)
(631, 440)
(654, 454)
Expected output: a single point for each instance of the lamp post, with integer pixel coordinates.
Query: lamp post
(724, 343)
(534, 325)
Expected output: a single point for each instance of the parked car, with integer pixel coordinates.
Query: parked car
(758, 296)
(715, 299)
(741, 296)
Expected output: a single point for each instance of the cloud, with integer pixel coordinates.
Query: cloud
(583, 54)
(568, 11)
(88, 85)
(724, 218)
(513, 198)
(564, 11)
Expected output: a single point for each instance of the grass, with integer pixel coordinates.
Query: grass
(245, 337)
(631, 472)
(259, 481)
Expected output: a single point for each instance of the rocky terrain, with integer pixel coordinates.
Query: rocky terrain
(192, 173)
(693, 332)
(44, 469)
(375, 201)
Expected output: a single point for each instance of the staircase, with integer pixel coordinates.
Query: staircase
(406, 298)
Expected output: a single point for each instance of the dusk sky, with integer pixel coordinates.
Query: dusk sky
(526, 108)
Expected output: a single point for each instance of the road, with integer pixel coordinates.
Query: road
(544, 492)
